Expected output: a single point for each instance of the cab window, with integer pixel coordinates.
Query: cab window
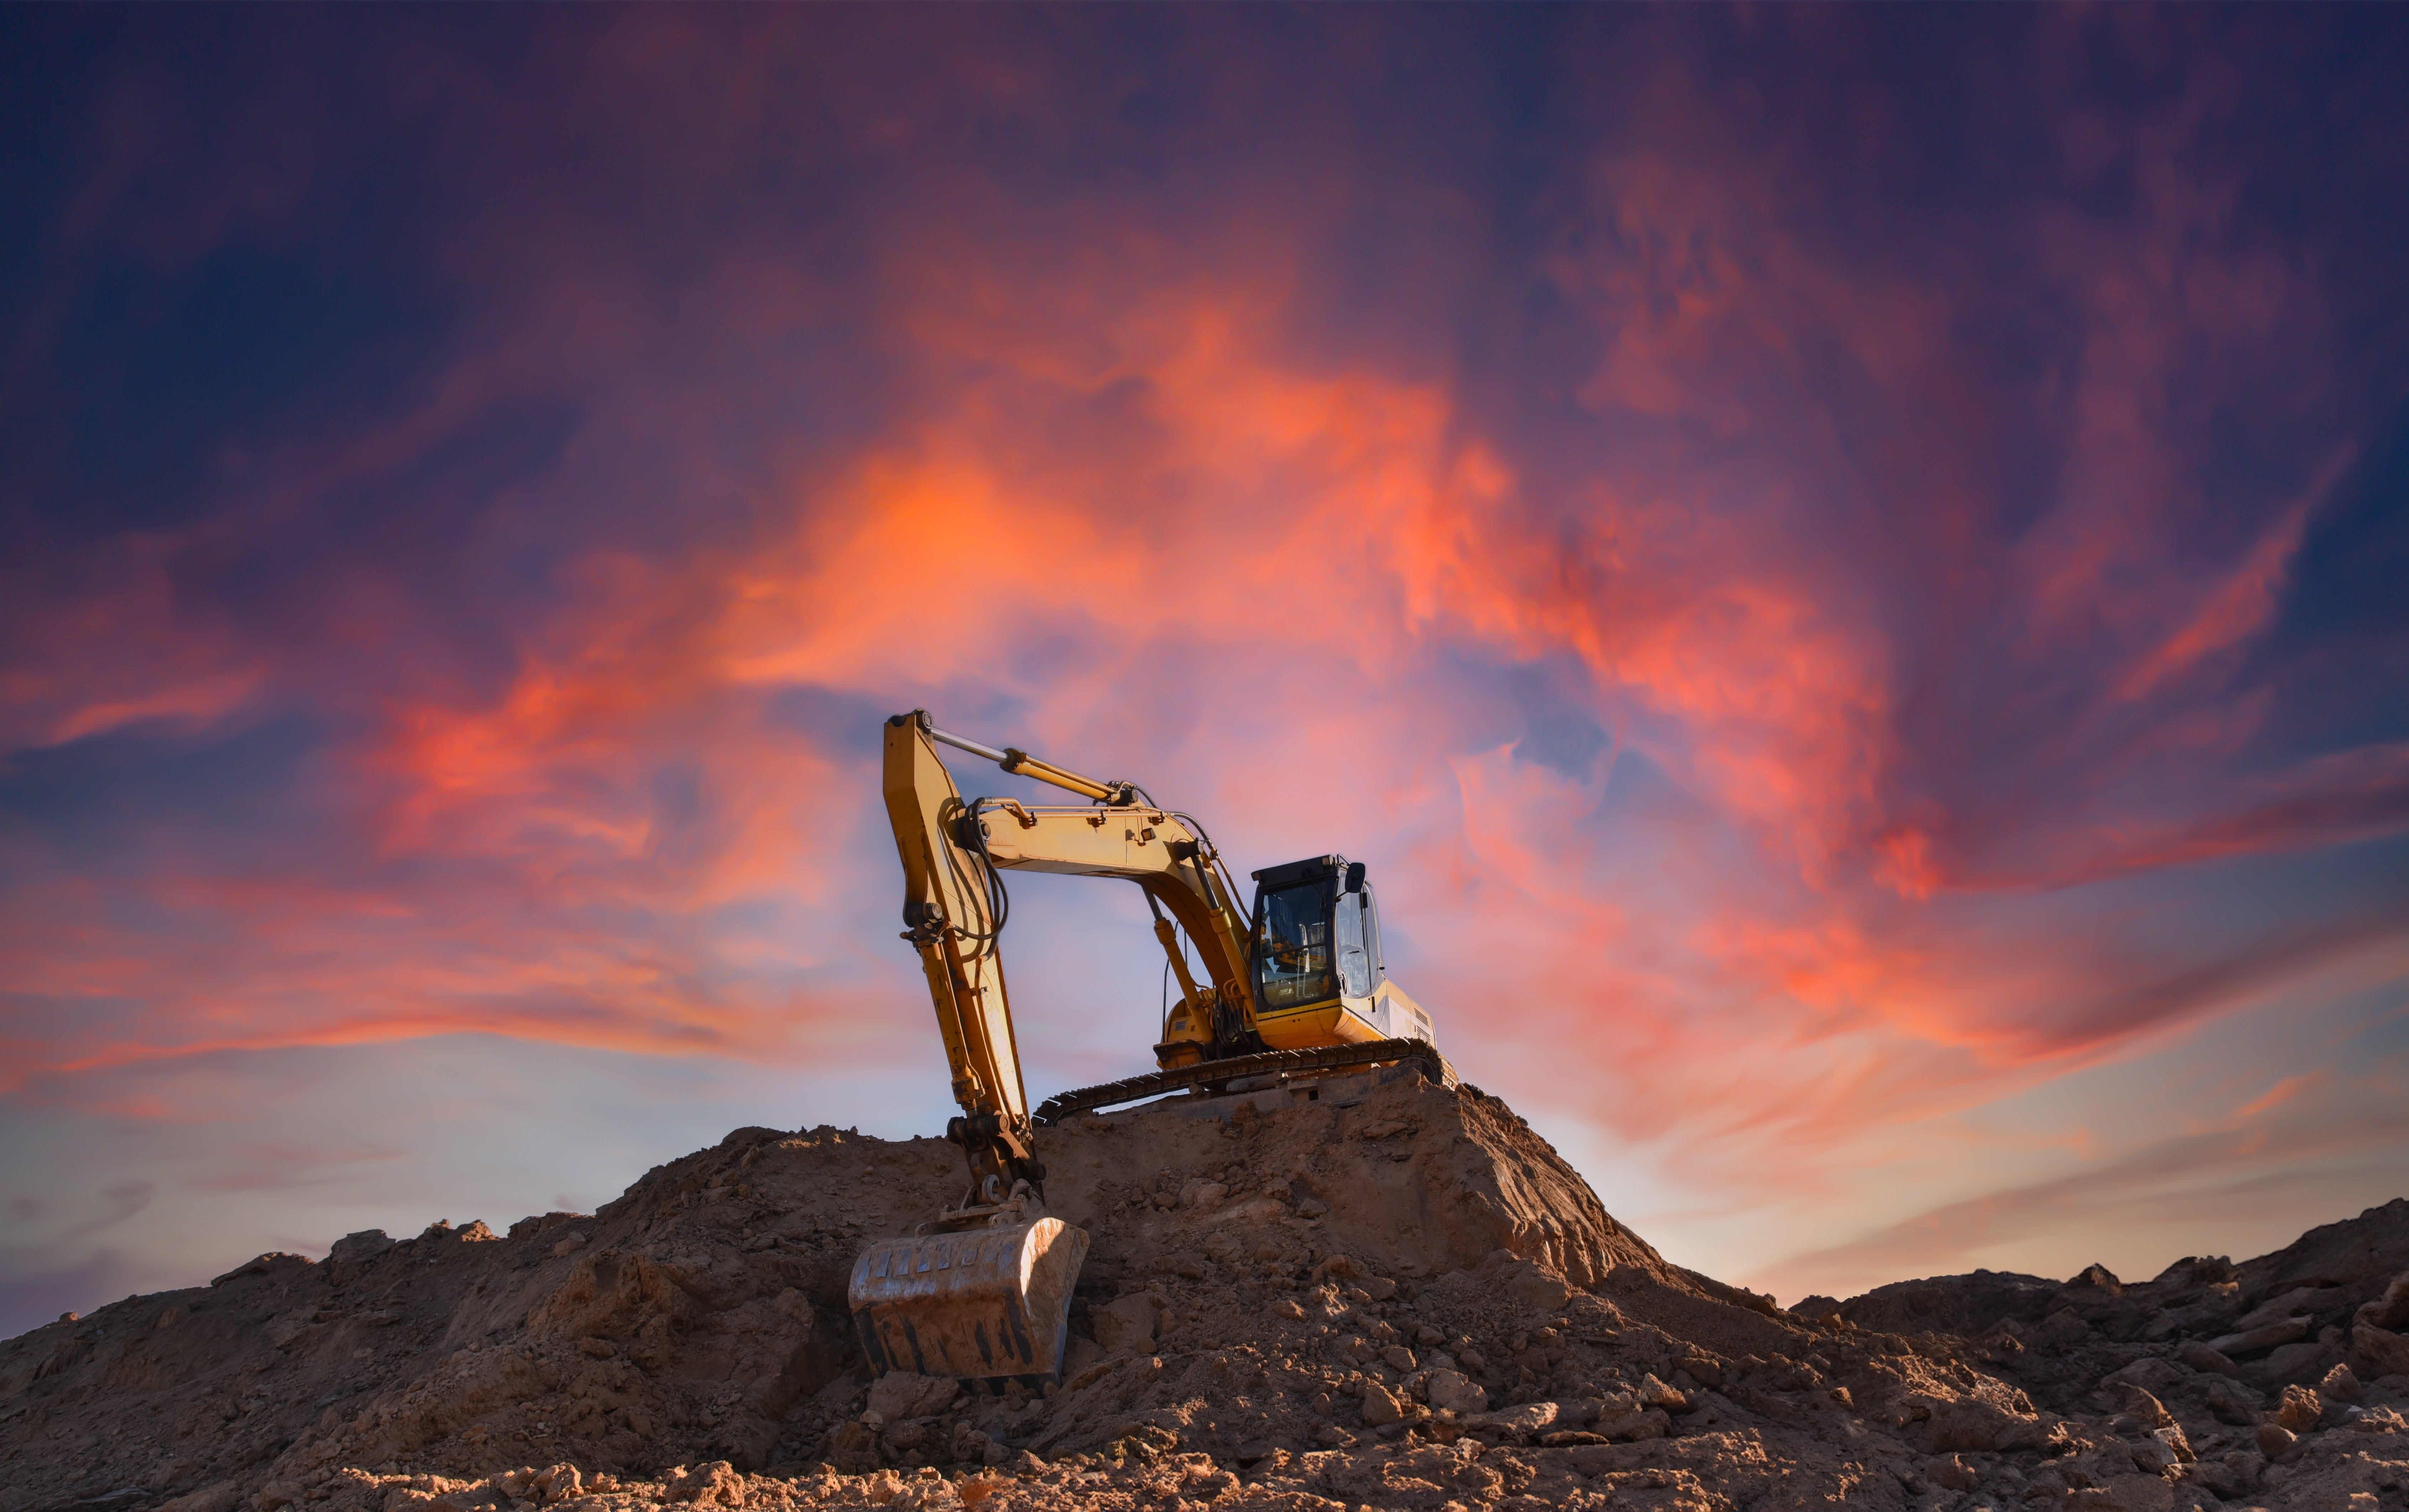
(1293, 963)
(1354, 959)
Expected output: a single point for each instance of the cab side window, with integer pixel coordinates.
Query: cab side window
(1354, 957)
(1372, 936)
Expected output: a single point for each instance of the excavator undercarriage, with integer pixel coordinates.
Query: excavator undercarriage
(1288, 992)
(1247, 1074)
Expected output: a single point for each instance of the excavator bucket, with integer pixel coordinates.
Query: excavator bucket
(978, 1303)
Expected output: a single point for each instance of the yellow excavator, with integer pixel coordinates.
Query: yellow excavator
(1291, 990)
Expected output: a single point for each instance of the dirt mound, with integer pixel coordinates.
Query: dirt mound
(1385, 1293)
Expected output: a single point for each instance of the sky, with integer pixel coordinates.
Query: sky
(1843, 569)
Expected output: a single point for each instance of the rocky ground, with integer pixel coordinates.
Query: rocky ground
(1387, 1295)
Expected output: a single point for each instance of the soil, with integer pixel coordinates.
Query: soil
(1385, 1294)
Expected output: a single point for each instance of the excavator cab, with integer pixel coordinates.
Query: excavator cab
(1318, 979)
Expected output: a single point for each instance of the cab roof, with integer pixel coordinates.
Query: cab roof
(1307, 870)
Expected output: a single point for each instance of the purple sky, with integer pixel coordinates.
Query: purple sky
(1843, 568)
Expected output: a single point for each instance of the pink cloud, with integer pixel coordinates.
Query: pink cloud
(1916, 661)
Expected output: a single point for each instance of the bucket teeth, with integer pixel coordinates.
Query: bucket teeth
(980, 1304)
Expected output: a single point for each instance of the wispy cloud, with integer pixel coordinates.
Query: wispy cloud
(1802, 607)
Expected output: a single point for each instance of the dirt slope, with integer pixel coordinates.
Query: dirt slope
(1392, 1295)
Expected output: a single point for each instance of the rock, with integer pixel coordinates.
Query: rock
(2149, 1372)
(2391, 1310)
(366, 1244)
(2132, 1493)
(2172, 1438)
(2299, 1410)
(2148, 1408)
(2097, 1277)
(2219, 1478)
(1452, 1391)
(2230, 1402)
(1655, 1394)
(275, 1261)
(1975, 1424)
(1380, 1408)
(2267, 1336)
(2312, 1301)
(1635, 1426)
(2154, 1455)
(900, 1394)
(2297, 1363)
(716, 1484)
(2207, 1361)
(558, 1484)
(1530, 1418)
(1539, 1288)
(1126, 1324)
(2379, 1352)
(2273, 1439)
(219, 1497)
(1397, 1357)
(2339, 1385)
(1953, 1473)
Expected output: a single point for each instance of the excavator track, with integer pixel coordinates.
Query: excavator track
(1317, 1062)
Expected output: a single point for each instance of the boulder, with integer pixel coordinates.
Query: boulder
(2378, 1352)
(2296, 1363)
(2391, 1309)
(1449, 1390)
(365, 1243)
(2230, 1402)
(2206, 1360)
(2262, 1338)
(2312, 1301)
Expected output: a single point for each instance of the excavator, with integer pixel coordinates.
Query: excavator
(1288, 991)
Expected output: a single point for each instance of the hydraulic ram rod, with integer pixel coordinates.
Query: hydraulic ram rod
(1021, 764)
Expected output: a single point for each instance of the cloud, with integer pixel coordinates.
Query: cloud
(1798, 605)
(2268, 1156)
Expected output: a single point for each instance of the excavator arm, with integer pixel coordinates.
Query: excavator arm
(955, 906)
(1174, 867)
(953, 915)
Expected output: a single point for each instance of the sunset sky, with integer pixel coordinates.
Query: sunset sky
(1847, 572)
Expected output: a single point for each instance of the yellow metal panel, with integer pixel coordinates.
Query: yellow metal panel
(965, 977)
(1314, 1024)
